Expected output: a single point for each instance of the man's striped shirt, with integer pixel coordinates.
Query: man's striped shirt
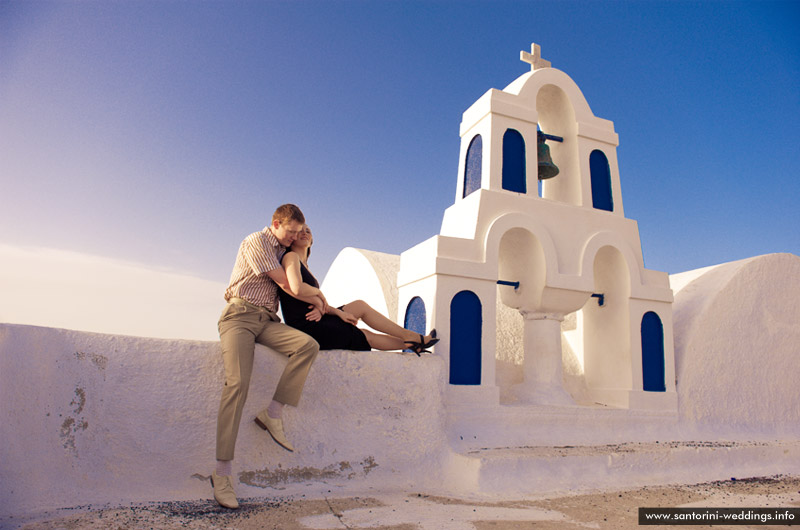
(259, 253)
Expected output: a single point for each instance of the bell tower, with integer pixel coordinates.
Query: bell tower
(537, 231)
(505, 133)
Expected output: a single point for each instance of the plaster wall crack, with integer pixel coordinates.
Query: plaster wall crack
(336, 514)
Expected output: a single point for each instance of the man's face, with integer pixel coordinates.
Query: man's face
(286, 233)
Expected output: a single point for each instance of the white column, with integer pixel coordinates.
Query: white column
(542, 367)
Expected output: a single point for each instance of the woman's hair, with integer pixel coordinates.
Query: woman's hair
(287, 213)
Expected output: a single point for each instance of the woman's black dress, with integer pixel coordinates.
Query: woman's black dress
(332, 333)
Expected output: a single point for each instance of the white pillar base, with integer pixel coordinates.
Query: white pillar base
(542, 366)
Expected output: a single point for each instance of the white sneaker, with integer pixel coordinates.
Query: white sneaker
(223, 491)
(274, 428)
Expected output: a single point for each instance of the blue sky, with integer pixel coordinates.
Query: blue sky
(162, 133)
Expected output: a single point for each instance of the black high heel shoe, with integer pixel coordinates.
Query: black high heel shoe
(422, 346)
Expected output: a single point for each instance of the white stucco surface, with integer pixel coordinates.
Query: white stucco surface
(358, 274)
(736, 325)
(92, 418)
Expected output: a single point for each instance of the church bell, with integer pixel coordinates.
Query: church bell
(547, 169)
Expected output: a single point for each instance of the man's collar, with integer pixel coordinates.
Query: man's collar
(271, 237)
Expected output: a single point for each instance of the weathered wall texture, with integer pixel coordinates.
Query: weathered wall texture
(90, 418)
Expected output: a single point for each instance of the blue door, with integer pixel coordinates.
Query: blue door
(653, 353)
(466, 322)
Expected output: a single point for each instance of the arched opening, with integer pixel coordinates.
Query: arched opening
(601, 181)
(606, 324)
(415, 318)
(557, 117)
(653, 353)
(472, 166)
(521, 259)
(514, 161)
(466, 322)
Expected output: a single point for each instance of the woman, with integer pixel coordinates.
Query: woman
(336, 330)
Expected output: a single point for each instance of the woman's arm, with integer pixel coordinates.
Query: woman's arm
(290, 279)
(344, 315)
(316, 308)
(294, 276)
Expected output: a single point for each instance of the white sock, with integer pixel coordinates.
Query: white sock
(275, 410)
(224, 468)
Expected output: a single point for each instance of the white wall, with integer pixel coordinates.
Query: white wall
(737, 346)
(90, 418)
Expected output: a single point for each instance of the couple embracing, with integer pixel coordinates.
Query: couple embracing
(272, 265)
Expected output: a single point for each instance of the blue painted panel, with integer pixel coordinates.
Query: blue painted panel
(602, 198)
(415, 318)
(466, 323)
(653, 353)
(514, 161)
(472, 168)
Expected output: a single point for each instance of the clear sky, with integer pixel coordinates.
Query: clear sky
(162, 133)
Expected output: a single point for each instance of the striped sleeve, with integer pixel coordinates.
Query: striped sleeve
(260, 256)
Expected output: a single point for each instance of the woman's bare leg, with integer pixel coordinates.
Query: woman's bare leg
(379, 322)
(383, 342)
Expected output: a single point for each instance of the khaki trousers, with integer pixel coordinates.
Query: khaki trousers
(241, 325)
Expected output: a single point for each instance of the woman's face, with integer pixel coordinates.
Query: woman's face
(304, 238)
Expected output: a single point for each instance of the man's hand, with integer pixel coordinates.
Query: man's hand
(314, 315)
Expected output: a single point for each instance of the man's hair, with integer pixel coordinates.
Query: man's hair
(287, 213)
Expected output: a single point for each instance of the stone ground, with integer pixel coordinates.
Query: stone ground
(423, 511)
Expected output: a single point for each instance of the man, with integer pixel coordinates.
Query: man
(250, 317)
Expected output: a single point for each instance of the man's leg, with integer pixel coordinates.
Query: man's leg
(237, 340)
(237, 330)
(301, 350)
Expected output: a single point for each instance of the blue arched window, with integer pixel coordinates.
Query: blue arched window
(466, 322)
(601, 181)
(653, 378)
(415, 318)
(514, 161)
(472, 167)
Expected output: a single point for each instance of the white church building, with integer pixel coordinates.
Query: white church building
(532, 270)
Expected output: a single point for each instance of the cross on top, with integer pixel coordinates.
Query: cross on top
(534, 58)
